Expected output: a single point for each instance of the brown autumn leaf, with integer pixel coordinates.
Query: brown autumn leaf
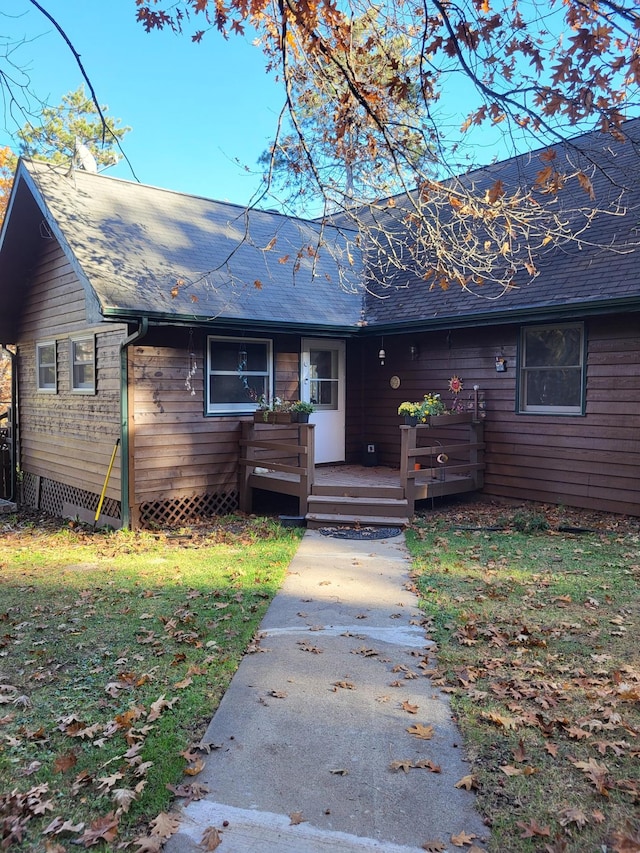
(58, 826)
(295, 818)
(181, 685)
(462, 838)
(195, 768)
(427, 764)
(467, 782)
(65, 762)
(509, 770)
(408, 707)
(160, 705)
(191, 792)
(500, 720)
(165, 825)
(533, 829)
(103, 829)
(434, 846)
(420, 731)
(573, 815)
(401, 764)
(345, 685)
(123, 798)
(519, 753)
(595, 773)
(211, 838)
(107, 782)
(148, 843)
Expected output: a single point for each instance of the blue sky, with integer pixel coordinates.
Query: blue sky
(199, 113)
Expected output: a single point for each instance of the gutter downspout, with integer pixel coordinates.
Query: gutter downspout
(14, 418)
(141, 331)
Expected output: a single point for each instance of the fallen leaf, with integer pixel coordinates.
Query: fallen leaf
(296, 818)
(148, 843)
(339, 772)
(65, 762)
(509, 770)
(123, 797)
(420, 731)
(401, 764)
(533, 828)
(462, 838)
(195, 768)
(211, 838)
(427, 764)
(467, 782)
(434, 846)
(103, 829)
(165, 824)
(408, 707)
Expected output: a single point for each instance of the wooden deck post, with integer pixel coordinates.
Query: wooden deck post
(408, 442)
(476, 437)
(249, 453)
(307, 439)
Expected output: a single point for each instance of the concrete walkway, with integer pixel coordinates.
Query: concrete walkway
(306, 735)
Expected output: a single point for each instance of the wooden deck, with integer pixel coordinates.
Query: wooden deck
(354, 494)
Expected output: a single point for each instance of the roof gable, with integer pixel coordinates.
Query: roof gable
(159, 253)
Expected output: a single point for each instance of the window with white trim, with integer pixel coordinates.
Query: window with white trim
(46, 367)
(82, 352)
(239, 373)
(552, 362)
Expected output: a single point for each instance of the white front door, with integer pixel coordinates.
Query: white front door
(322, 383)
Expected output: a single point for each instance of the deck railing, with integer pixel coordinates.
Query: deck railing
(436, 461)
(285, 453)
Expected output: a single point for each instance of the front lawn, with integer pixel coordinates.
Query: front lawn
(115, 649)
(537, 622)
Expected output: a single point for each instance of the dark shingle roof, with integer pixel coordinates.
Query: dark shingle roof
(602, 268)
(139, 250)
(153, 251)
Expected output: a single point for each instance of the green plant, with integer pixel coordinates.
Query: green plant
(432, 405)
(302, 407)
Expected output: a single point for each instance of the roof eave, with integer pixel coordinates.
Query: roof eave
(528, 314)
(160, 318)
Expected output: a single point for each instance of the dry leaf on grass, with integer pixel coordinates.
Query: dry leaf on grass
(467, 782)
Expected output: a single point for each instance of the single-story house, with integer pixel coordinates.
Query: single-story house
(149, 323)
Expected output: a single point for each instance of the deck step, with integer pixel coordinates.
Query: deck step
(340, 505)
(321, 519)
(354, 491)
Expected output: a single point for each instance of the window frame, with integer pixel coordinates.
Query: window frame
(42, 388)
(243, 408)
(81, 389)
(523, 371)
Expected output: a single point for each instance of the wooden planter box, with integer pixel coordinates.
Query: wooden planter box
(267, 417)
(449, 420)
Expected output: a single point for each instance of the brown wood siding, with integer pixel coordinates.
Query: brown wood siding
(591, 461)
(178, 451)
(67, 437)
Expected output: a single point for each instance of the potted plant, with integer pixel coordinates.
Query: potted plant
(411, 412)
(302, 409)
(431, 405)
(276, 411)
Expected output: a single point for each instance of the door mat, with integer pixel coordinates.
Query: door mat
(360, 532)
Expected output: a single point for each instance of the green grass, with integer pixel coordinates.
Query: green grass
(95, 629)
(537, 636)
